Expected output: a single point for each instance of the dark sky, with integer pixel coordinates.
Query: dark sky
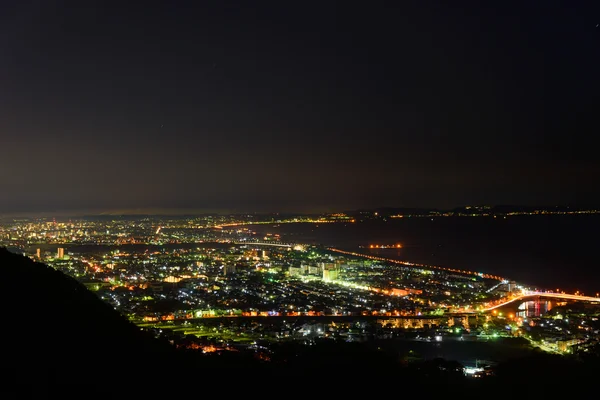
(289, 105)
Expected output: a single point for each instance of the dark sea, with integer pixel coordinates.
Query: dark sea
(546, 251)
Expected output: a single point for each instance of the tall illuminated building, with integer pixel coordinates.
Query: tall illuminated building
(38, 254)
(331, 272)
(60, 253)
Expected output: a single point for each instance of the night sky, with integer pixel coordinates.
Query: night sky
(297, 106)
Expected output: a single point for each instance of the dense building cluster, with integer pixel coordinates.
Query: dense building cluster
(215, 277)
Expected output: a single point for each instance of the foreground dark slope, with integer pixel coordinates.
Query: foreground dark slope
(59, 329)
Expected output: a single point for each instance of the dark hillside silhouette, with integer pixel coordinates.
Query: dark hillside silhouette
(59, 330)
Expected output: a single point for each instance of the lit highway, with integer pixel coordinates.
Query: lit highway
(417, 265)
(528, 293)
(263, 243)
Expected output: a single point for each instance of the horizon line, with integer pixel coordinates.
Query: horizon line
(203, 211)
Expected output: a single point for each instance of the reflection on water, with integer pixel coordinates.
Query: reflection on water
(534, 308)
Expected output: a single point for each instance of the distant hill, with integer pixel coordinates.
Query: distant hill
(384, 212)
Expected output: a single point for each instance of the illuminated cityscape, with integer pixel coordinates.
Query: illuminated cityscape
(218, 280)
(205, 196)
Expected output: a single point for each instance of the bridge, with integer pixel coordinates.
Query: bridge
(529, 293)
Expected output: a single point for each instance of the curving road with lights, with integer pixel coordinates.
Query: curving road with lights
(529, 293)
